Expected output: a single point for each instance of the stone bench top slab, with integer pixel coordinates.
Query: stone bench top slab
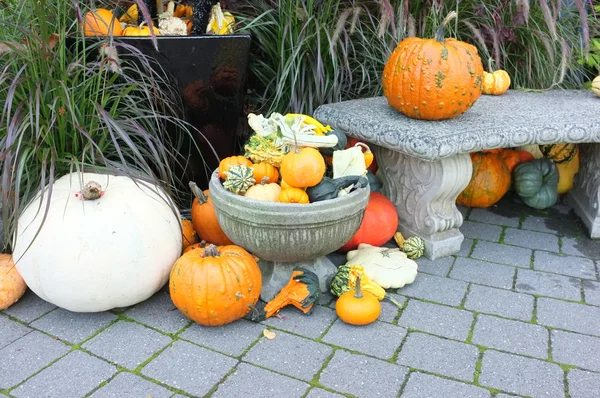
(513, 119)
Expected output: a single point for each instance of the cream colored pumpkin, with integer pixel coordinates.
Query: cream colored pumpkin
(596, 85)
(389, 268)
(264, 191)
(94, 255)
(12, 285)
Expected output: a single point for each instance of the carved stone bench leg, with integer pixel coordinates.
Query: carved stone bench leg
(425, 197)
(585, 195)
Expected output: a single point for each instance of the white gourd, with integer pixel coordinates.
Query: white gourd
(170, 25)
(389, 268)
(94, 255)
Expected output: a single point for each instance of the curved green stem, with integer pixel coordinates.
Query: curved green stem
(441, 30)
(198, 194)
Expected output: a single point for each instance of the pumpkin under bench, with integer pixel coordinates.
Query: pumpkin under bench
(425, 165)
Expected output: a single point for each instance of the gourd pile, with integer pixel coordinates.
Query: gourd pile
(295, 159)
(172, 21)
(537, 173)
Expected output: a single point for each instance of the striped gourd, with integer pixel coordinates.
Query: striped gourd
(413, 247)
(239, 179)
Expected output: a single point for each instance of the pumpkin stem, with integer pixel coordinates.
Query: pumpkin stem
(357, 292)
(197, 192)
(490, 68)
(441, 30)
(91, 191)
(211, 251)
(264, 180)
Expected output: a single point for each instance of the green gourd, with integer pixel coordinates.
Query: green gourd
(374, 183)
(414, 247)
(536, 182)
(329, 188)
(342, 142)
(239, 179)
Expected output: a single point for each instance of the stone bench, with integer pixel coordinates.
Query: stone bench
(425, 164)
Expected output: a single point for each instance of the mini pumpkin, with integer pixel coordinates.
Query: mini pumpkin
(264, 191)
(216, 285)
(12, 285)
(139, 31)
(264, 169)
(346, 278)
(596, 86)
(358, 307)
(490, 180)
(293, 195)
(226, 163)
(101, 22)
(204, 218)
(302, 168)
(496, 82)
(414, 247)
(190, 236)
(433, 79)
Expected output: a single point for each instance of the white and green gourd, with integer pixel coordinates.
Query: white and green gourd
(239, 179)
(414, 247)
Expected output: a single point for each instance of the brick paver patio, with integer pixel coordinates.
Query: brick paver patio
(515, 313)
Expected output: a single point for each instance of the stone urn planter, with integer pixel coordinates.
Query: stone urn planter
(285, 235)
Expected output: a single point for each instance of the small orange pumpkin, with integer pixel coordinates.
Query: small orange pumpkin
(263, 169)
(204, 218)
(183, 10)
(285, 185)
(302, 168)
(12, 285)
(190, 236)
(495, 83)
(101, 22)
(293, 195)
(139, 31)
(226, 163)
(356, 307)
(216, 285)
(489, 182)
(513, 157)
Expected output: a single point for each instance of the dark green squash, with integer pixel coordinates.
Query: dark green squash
(341, 145)
(559, 153)
(329, 188)
(374, 182)
(536, 182)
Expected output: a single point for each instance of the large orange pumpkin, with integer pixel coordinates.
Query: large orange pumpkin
(205, 220)
(101, 22)
(379, 223)
(12, 285)
(489, 181)
(433, 79)
(216, 285)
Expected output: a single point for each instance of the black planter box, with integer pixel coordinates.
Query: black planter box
(210, 71)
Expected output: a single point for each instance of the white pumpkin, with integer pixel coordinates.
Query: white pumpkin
(94, 255)
(389, 268)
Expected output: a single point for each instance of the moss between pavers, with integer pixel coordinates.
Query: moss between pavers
(503, 233)
(464, 299)
(471, 331)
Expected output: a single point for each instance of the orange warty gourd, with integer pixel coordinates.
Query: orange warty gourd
(433, 79)
(190, 236)
(101, 22)
(226, 163)
(216, 285)
(12, 285)
(204, 218)
(489, 182)
(513, 157)
(302, 168)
